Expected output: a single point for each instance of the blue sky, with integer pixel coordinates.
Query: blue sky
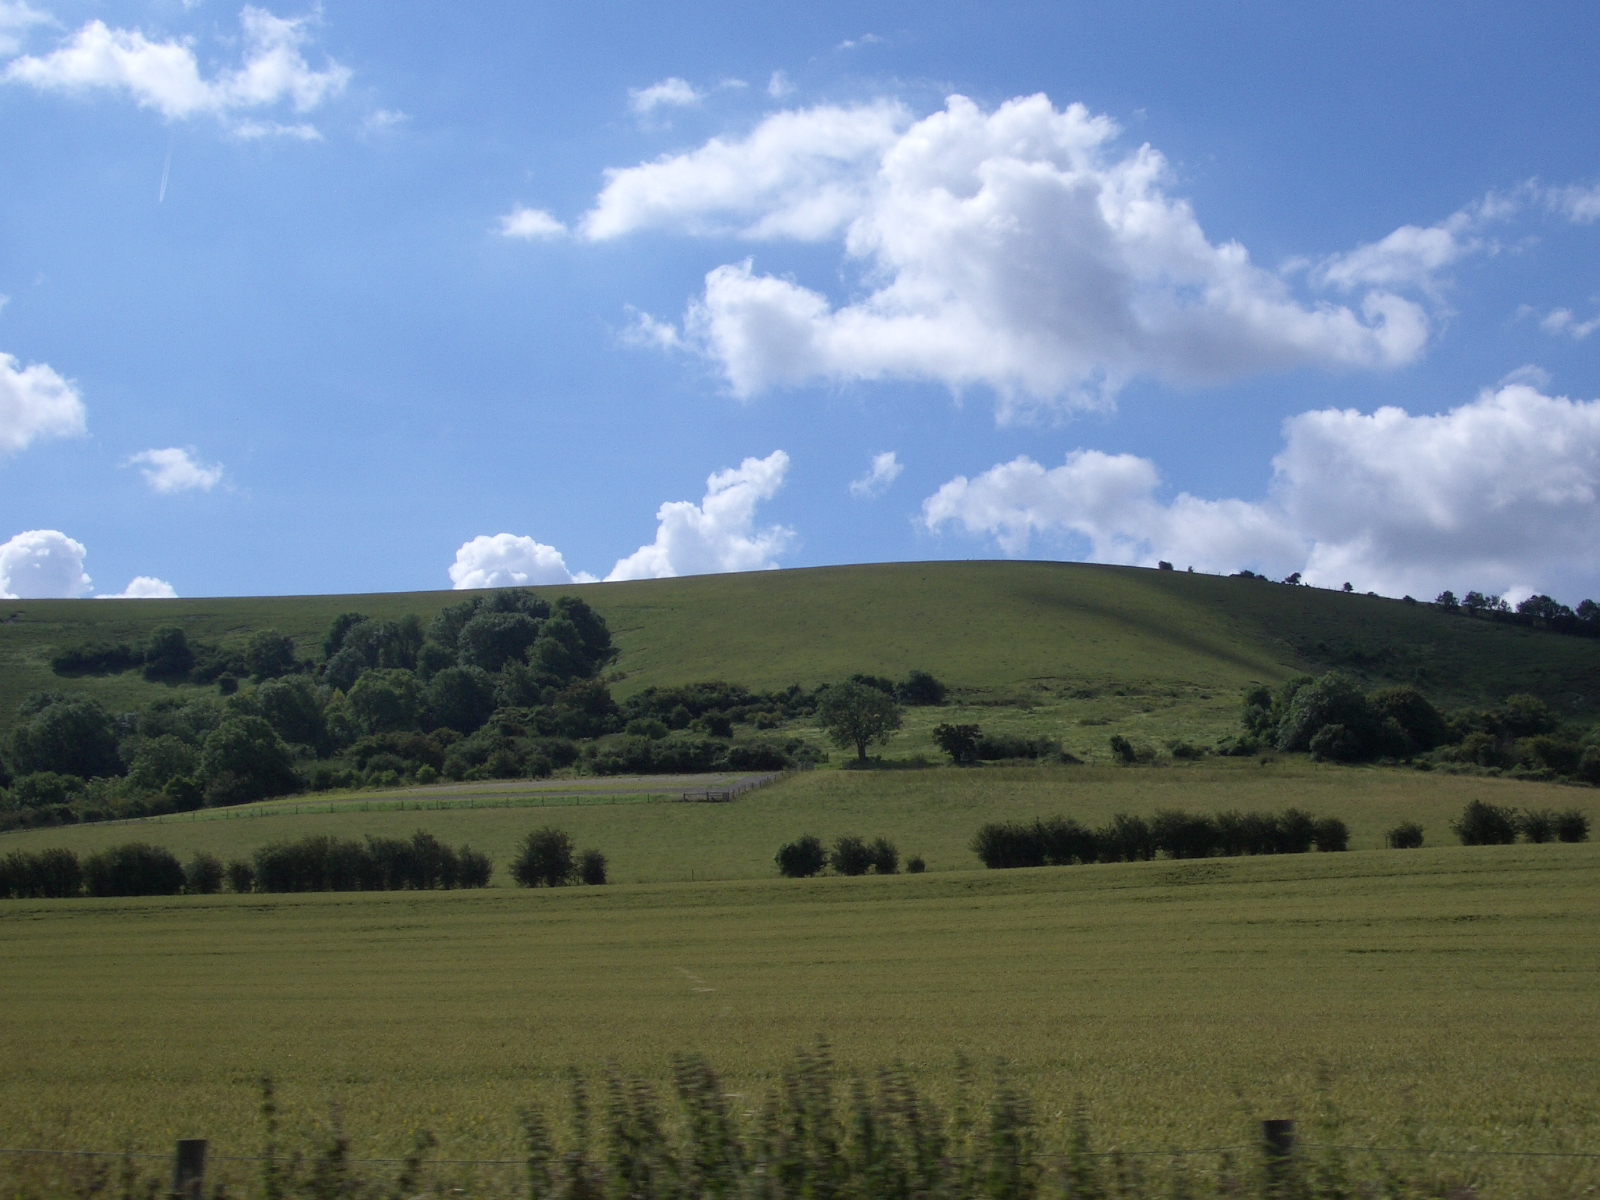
(385, 297)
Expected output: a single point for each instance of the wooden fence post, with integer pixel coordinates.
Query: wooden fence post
(189, 1169)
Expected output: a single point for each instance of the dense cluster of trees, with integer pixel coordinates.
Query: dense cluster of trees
(1061, 841)
(1485, 824)
(133, 869)
(502, 685)
(1332, 718)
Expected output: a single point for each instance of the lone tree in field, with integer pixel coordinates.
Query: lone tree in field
(857, 714)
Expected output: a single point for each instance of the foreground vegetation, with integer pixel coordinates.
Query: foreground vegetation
(1179, 1002)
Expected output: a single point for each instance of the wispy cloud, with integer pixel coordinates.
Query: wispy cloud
(175, 469)
(531, 224)
(885, 469)
(669, 93)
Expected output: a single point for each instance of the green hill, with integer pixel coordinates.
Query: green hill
(1018, 633)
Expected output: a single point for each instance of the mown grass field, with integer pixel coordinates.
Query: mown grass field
(1450, 991)
(1014, 634)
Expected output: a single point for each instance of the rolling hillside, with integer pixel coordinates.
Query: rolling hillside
(998, 632)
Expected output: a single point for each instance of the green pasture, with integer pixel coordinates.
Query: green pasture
(1445, 995)
(932, 812)
(1013, 634)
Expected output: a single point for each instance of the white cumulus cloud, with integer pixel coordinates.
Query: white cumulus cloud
(506, 560)
(1500, 494)
(530, 224)
(669, 93)
(165, 75)
(16, 18)
(800, 175)
(143, 587)
(36, 402)
(885, 469)
(1014, 249)
(175, 469)
(43, 564)
(719, 533)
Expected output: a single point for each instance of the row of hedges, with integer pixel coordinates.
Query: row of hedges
(326, 864)
(134, 869)
(851, 855)
(1061, 841)
(1484, 824)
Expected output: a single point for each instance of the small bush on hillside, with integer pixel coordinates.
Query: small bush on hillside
(915, 865)
(546, 859)
(47, 875)
(885, 858)
(1405, 836)
(960, 742)
(203, 876)
(1331, 835)
(134, 869)
(920, 689)
(592, 867)
(1572, 826)
(851, 856)
(1484, 824)
(1538, 825)
(241, 876)
(802, 858)
(1122, 750)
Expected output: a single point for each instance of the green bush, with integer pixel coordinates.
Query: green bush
(1405, 836)
(592, 867)
(241, 876)
(885, 857)
(1122, 750)
(545, 859)
(134, 869)
(851, 856)
(45, 875)
(1537, 825)
(1331, 834)
(802, 858)
(1484, 824)
(1572, 826)
(915, 865)
(920, 689)
(960, 742)
(204, 875)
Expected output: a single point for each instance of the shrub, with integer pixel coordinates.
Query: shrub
(592, 867)
(1561, 757)
(241, 876)
(802, 858)
(1331, 834)
(1006, 745)
(885, 858)
(1484, 824)
(475, 868)
(244, 759)
(1589, 765)
(45, 788)
(1572, 826)
(203, 876)
(915, 865)
(47, 875)
(1127, 839)
(851, 856)
(758, 756)
(134, 869)
(920, 689)
(960, 742)
(1184, 835)
(1405, 836)
(1538, 825)
(69, 737)
(545, 859)
(1122, 750)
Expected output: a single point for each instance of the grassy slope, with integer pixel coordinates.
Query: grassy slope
(999, 630)
(1179, 1000)
(932, 813)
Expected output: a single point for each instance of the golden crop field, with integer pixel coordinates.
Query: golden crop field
(1451, 991)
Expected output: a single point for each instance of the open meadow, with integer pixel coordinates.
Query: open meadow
(1446, 993)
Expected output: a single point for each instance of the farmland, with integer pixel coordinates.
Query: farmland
(1451, 989)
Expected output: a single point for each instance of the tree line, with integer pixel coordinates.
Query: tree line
(499, 686)
(1330, 717)
(1062, 841)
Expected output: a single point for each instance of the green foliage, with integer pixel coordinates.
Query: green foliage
(857, 714)
(1122, 751)
(802, 858)
(960, 742)
(241, 876)
(856, 856)
(920, 689)
(333, 640)
(592, 867)
(96, 658)
(134, 869)
(167, 654)
(1485, 824)
(385, 700)
(162, 759)
(244, 759)
(69, 737)
(294, 709)
(43, 788)
(269, 654)
(1405, 836)
(460, 698)
(915, 865)
(1572, 826)
(545, 859)
(48, 875)
(326, 864)
(203, 875)
(491, 640)
(1061, 841)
